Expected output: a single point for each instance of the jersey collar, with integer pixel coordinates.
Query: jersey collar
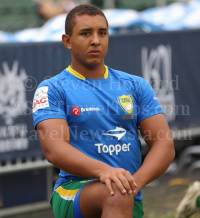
(78, 75)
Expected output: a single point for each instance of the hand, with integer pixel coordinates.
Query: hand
(122, 178)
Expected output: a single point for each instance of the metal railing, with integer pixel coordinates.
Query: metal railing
(20, 166)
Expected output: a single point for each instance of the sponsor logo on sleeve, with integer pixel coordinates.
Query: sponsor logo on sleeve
(40, 99)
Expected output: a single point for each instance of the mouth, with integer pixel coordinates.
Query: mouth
(95, 52)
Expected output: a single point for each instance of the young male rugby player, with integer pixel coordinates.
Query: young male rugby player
(87, 118)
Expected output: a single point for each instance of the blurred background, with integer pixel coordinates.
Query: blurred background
(155, 39)
(22, 14)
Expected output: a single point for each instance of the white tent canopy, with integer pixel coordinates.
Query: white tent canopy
(177, 16)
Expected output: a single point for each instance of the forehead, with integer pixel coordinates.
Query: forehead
(88, 21)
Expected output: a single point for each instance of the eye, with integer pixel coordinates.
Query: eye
(85, 33)
(103, 33)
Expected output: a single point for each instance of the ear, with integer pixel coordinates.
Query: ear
(66, 41)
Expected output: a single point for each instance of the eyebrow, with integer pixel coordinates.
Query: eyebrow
(89, 29)
(105, 29)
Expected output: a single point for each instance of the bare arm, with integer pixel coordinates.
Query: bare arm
(49, 10)
(55, 137)
(156, 133)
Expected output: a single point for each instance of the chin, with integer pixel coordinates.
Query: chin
(95, 61)
(93, 64)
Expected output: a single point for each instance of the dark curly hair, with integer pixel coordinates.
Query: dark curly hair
(87, 9)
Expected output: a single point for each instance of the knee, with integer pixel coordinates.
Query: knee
(119, 200)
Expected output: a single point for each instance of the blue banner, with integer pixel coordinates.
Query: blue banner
(169, 61)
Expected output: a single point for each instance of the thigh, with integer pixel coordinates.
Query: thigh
(91, 198)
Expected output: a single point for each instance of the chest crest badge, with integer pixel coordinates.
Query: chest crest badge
(126, 103)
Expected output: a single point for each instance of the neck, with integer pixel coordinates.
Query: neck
(89, 71)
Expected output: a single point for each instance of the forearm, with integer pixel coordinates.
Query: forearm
(155, 164)
(50, 10)
(71, 160)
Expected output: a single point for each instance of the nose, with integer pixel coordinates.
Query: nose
(95, 39)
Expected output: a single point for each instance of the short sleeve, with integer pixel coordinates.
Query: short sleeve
(48, 102)
(148, 104)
